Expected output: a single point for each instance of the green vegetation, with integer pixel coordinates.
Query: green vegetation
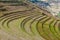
(30, 24)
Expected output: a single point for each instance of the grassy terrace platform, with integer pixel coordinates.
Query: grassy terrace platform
(28, 23)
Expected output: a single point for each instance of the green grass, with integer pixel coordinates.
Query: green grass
(30, 25)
